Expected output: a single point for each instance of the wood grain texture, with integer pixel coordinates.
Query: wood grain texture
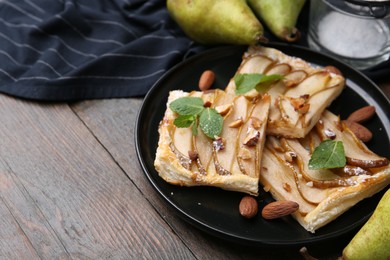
(112, 122)
(64, 196)
(71, 187)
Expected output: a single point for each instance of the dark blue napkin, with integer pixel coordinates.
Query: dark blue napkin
(83, 49)
(62, 50)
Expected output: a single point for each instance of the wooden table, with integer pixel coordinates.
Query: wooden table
(71, 187)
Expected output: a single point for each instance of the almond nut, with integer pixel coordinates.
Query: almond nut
(252, 137)
(206, 80)
(255, 123)
(287, 187)
(362, 115)
(289, 156)
(236, 123)
(304, 108)
(278, 209)
(330, 134)
(359, 130)
(333, 69)
(223, 109)
(248, 207)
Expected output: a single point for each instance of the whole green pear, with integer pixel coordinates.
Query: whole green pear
(373, 240)
(280, 16)
(217, 21)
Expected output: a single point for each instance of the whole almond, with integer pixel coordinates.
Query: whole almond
(362, 115)
(206, 80)
(359, 130)
(278, 209)
(248, 207)
(333, 69)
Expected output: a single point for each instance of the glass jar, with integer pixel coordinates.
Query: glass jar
(355, 31)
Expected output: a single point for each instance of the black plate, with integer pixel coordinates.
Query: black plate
(215, 210)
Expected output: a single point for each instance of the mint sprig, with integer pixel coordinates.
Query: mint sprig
(211, 122)
(327, 155)
(191, 110)
(248, 81)
(187, 106)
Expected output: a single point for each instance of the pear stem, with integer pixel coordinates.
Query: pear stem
(261, 39)
(293, 36)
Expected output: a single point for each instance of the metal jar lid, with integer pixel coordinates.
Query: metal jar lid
(363, 8)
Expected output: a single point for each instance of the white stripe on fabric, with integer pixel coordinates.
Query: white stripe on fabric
(54, 36)
(113, 23)
(51, 67)
(95, 77)
(20, 44)
(89, 38)
(9, 75)
(89, 7)
(62, 58)
(140, 56)
(158, 37)
(161, 22)
(34, 6)
(23, 12)
(50, 49)
(12, 59)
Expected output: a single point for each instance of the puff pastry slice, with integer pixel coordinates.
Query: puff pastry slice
(324, 194)
(298, 100)
(230, 161)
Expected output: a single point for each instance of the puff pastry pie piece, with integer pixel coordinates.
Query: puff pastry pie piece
(297, 101)
(322, 195)
(230, 161)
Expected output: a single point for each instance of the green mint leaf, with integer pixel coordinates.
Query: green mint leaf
(195, 128)
(187, 106)
(267, 81)
(327, 155)
(183, 121)
(248, 81)
(211, 122)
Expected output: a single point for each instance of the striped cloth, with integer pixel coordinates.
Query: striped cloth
(62, 50)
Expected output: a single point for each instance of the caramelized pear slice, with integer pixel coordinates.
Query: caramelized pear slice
(252, 138)
(278, 176)
(306, 188)
(281, 69)
(310, 85)
(255, 64)
(321, 178)
(356, 151)
(224, 158)
(295, 77)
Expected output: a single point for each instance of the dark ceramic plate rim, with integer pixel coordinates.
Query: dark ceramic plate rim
(366, 90)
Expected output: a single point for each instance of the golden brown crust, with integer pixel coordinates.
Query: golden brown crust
(170, 168)
(294, 108)
(322, 195)
(317, 85)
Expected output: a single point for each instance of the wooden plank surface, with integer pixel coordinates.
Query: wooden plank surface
(112, 122)
(63, 195)
(71, 187)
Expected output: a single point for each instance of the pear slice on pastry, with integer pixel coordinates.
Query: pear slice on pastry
(298, 100)
(230, 161)
(323, 194)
